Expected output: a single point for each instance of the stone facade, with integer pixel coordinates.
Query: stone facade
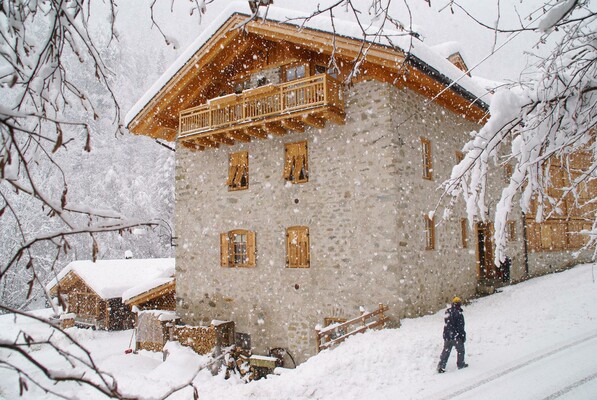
(364, 206)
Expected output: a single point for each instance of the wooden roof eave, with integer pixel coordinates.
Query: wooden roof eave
(225, 34)
(388, 57)
(151, 294)
(70, 276)
(318, 40)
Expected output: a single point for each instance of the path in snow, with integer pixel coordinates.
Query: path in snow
(550, 374)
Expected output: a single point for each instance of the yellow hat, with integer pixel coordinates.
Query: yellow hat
(456, 300)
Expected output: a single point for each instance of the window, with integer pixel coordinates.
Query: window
(429, 232)
(297, 247)
(427, 161)
(295, 72)
(238, 171)
(296, 166)
(507, 173)
(241, 85)
(459, 157)
(511, 230)
(237, 248)
(464, 232)
(322, 69)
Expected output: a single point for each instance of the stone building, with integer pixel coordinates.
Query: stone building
(300, 199)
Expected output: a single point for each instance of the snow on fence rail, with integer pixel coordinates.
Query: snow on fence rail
(337, 333)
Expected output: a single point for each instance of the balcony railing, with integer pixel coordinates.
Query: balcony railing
(261, 104)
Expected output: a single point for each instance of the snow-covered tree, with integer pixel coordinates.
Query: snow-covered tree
(546, 118)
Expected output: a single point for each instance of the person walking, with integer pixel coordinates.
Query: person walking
(454, 336)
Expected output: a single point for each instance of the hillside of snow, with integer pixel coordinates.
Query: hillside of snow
(534, 340)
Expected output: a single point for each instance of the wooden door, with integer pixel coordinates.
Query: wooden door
(485, 264)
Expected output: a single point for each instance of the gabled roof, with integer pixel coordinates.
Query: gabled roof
(111, 278)
(388, 50)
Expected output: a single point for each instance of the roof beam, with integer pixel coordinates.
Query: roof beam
(335, 116)
(222, 138)
(206, 142)
(192, 146)
(256, 132)
(240, 136)
(314, 121)
(293, 125)
(275, 128)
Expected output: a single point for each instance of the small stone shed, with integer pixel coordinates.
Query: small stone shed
(93, 290)
(154, 305)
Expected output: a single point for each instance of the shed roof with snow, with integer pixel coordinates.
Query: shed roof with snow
(111, 278)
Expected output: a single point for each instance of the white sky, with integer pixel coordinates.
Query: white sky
(437, 27)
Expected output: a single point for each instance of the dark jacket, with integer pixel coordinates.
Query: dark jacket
(454, 324)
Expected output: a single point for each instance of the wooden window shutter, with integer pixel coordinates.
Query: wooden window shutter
(290, 248)
(289, 155)
(305, 247)
(296, 164)
(427, 159)
(231, 173)
(238, 172)
(224, 249)
(511, 230)
(251, 249)
(429, 224)
(297, 247)
(459, 156)
(546, 242)
(463, 232)
(303, 167)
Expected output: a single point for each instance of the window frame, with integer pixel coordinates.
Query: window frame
(238, 160)
(429, 230)
(239, 85)
(228, 249)
(427, 158)
(464, 232)
(459, 156)
(303, 260)
(294, 67)
(510, 230)
(291, 150)
(324, 69)
(508, 171)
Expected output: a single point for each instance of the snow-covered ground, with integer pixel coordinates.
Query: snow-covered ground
(534, 340)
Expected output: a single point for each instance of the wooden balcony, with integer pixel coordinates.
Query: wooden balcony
(270, 109)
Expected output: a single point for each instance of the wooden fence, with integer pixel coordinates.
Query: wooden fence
(337, 333)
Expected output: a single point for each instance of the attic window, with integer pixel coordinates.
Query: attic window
(238, 171)
(296, 162)
(322, 69)
(241, 85)
(295, 72)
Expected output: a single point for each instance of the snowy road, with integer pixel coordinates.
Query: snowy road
(566, 372)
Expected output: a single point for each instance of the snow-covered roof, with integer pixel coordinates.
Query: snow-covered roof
(447, 49)
(111, 278)
(419, 51)
(144, 287)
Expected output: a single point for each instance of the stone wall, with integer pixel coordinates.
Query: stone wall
(364, 206)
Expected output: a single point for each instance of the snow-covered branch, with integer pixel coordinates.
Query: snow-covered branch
(540, 125)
